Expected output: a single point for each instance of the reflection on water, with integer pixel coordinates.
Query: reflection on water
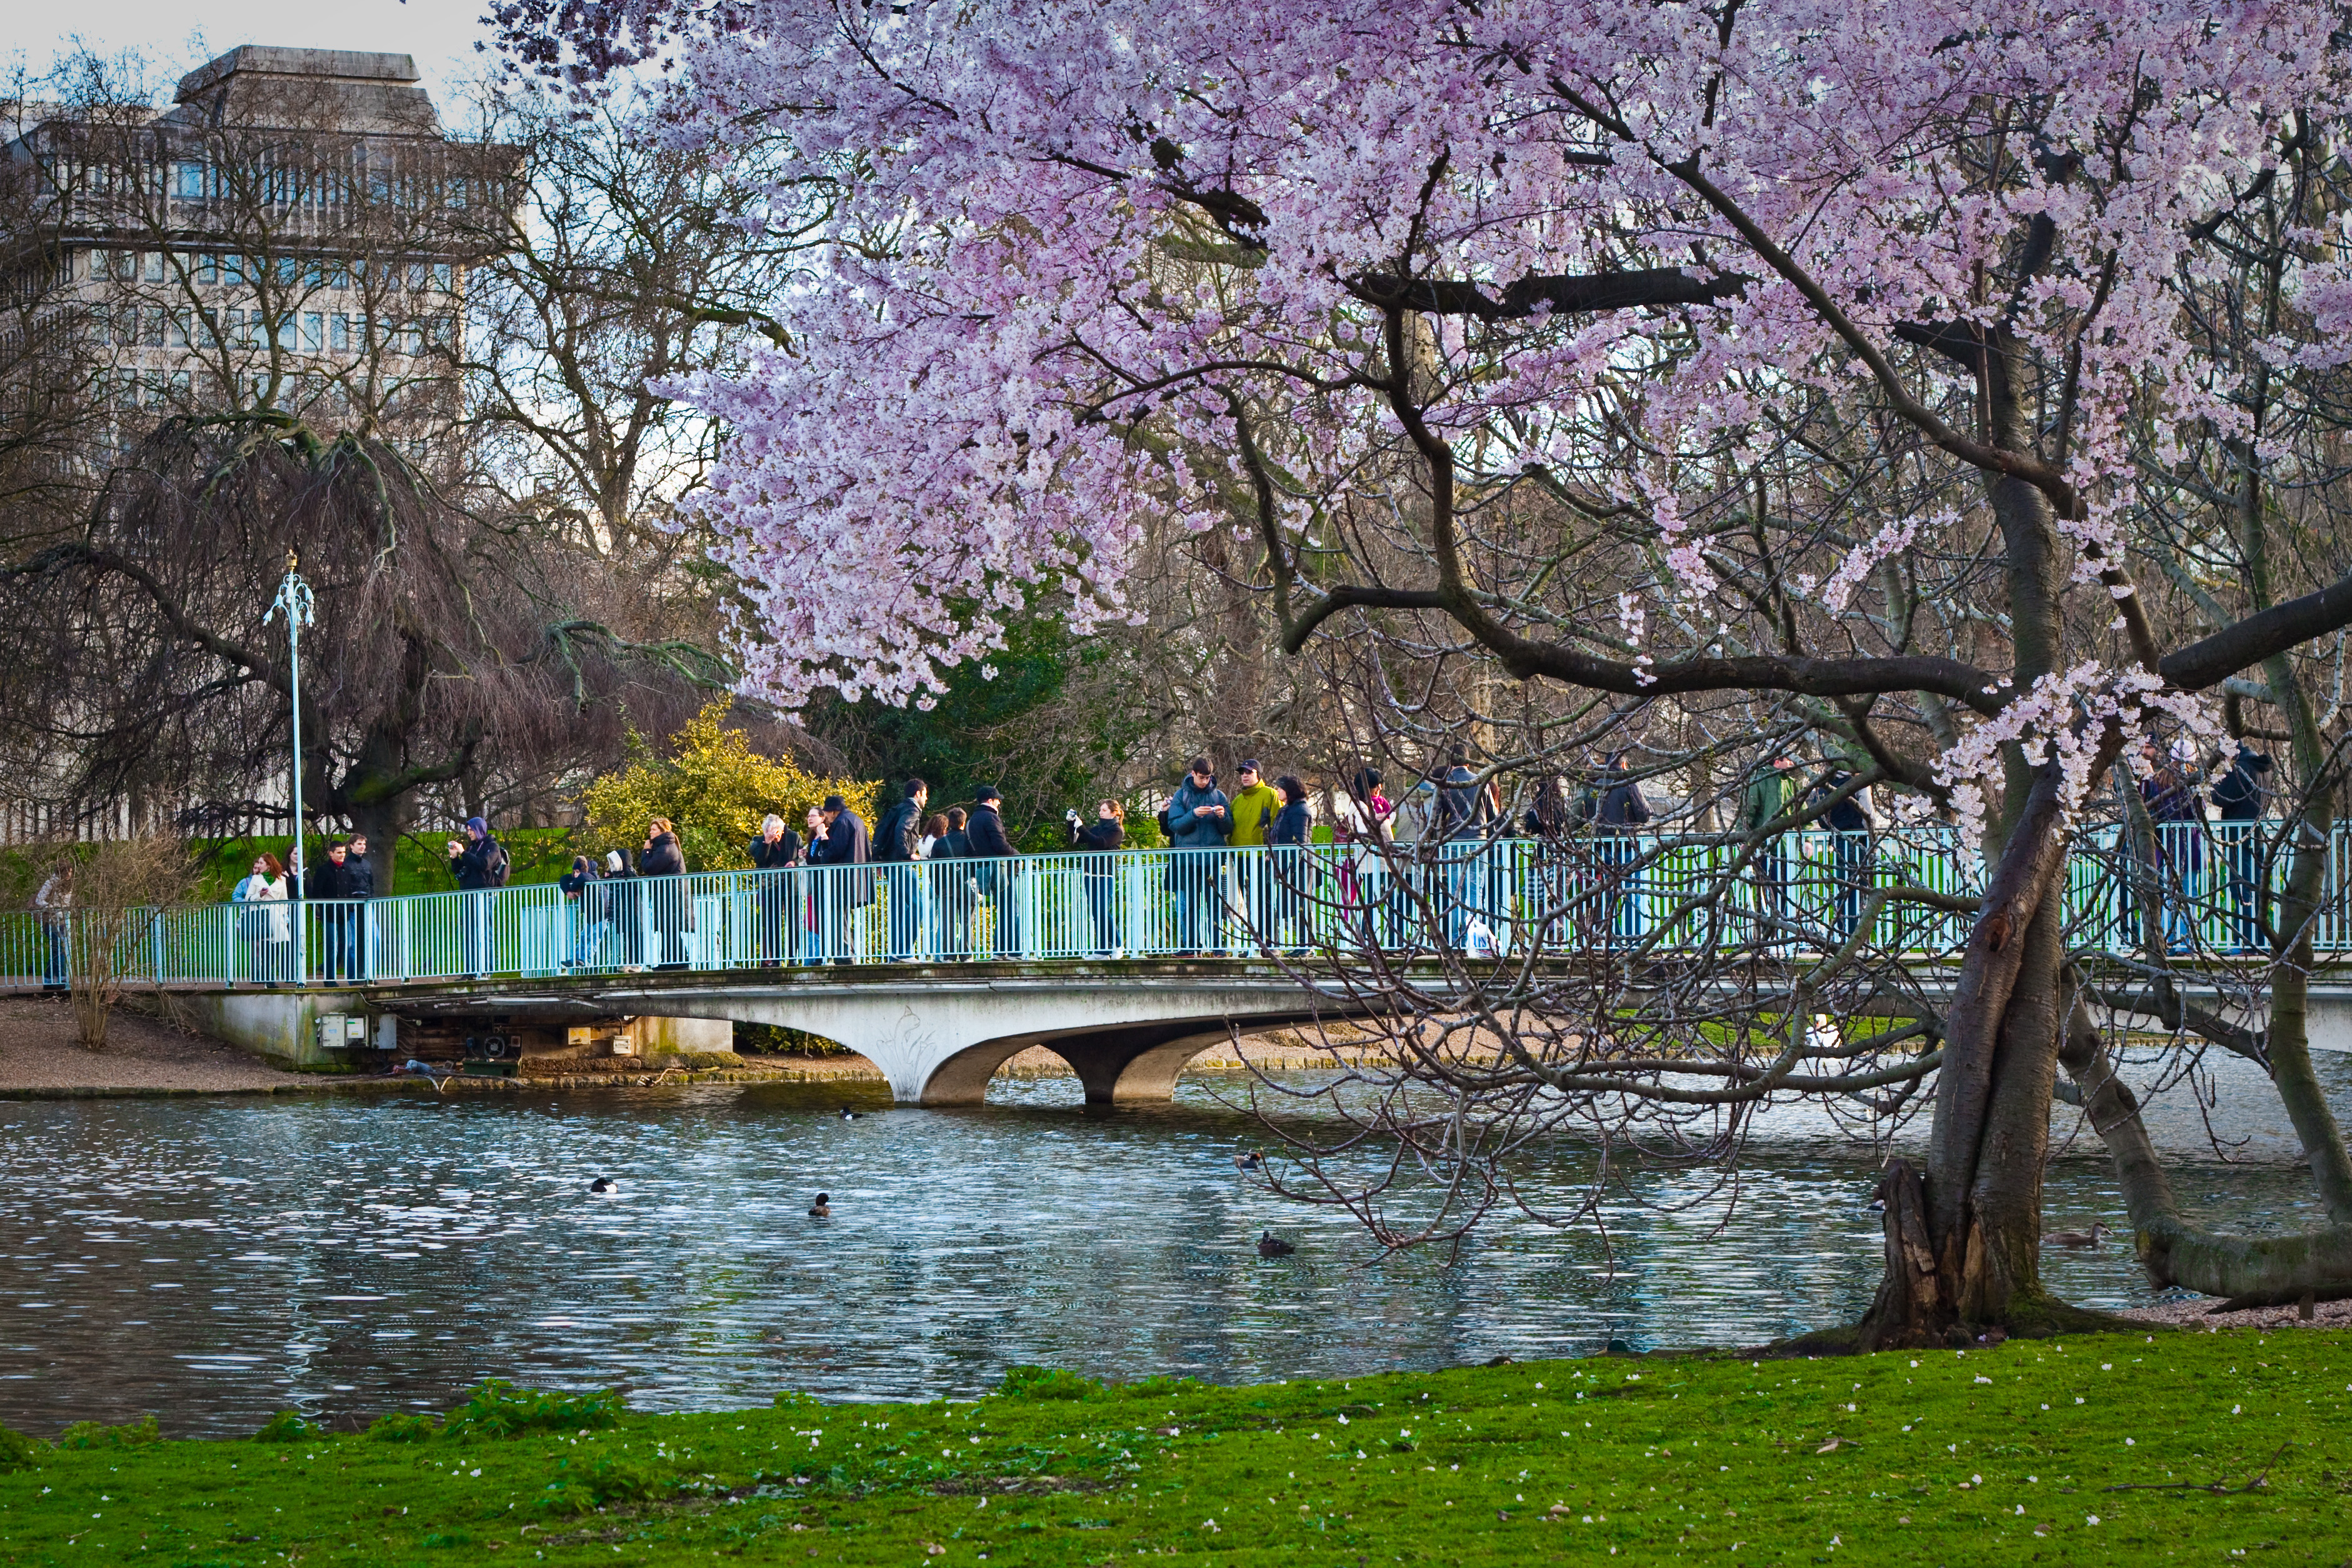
(213, 1261)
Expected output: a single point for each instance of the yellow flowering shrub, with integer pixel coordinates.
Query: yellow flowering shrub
(714, 789)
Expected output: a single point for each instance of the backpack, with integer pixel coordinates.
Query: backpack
(495, 868)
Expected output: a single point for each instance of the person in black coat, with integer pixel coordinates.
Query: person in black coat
(847, 890)
(1101, 839)
(664, 858)
(481, 866)
(895, 844)
(999, 884)
(359, 886)
(953, 891)
(330, 883)
(1287, 897)
(2239, 797)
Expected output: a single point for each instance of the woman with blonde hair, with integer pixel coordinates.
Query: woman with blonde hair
(268, 928)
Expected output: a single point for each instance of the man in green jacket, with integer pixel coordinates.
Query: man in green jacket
(1254, 805)
(1770, 792)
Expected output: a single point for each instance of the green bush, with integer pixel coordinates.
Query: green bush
(287, 1426)
(18, 1452)
(500, 1409)
(91, 1434)
(402, 1426)
(1033, 1383)
(594, 1486)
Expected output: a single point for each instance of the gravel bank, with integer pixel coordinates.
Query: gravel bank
(2196, 1313)
(39, 1055)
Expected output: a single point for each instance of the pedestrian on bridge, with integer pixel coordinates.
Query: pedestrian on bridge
(266, 928)
(847, 888)
(998, 880)
(1291, 872)
(663, 863)
(359, 883)
(775, 849)
(584, 896)
(1253, 809)
(897, 845)
(329, 883)
(480, 867)
(1854, 821)
(1099, 841)
(1770, 792)
(1198, 820)
(2238, 796)
(953, 890)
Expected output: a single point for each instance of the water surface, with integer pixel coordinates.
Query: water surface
(213, 1261)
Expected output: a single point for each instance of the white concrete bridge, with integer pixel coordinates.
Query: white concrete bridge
(938, 1032)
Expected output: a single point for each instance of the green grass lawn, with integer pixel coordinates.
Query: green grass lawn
(2009, 1455)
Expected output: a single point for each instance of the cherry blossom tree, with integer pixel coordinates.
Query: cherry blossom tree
(1787, 352)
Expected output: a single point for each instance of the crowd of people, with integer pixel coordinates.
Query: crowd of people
(950, 884)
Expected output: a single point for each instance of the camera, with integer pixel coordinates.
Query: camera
(1071, 816)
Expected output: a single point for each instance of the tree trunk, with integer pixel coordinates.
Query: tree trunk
(1964, 1236)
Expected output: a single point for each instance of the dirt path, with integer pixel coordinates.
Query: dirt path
(39, 1055)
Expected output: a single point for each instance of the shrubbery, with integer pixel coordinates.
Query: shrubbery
(91, 1434)
(500, 1409)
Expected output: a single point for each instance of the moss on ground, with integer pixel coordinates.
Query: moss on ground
(1999, 1456)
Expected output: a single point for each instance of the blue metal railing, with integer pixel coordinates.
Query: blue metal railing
(2203, 886)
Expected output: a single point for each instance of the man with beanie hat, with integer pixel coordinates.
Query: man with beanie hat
(481, 866)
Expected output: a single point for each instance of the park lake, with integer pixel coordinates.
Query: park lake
(213, 1261)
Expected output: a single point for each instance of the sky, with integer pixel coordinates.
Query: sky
(177, 36)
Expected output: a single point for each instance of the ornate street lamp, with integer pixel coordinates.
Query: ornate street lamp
(294, 599)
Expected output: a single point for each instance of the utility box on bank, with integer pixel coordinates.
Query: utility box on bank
(340, 1031)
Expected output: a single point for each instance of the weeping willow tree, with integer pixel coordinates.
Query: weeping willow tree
(457, 653)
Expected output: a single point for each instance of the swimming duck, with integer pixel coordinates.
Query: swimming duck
(2078, 1239)
(822, 1207)
(847, 1114)
(603, 1183)
(1248, 1162)
(1269, 1245)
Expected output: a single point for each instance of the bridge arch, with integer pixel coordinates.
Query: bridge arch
(940, 1035)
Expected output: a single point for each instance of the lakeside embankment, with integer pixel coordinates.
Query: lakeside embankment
(2113, 1449)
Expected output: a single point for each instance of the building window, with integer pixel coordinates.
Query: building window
(207, 267)
(442, 276)
(155, 268)
(179, 329)
(313, 332)
(339, 329)
(188, 182)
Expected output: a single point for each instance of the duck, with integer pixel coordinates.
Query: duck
(1248, 1162)
(603, 1183)
(1269, 1245)
(822, 1207)
(847, 1114)
(2078, 1239)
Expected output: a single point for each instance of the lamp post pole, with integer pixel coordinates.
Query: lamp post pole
(294, 601)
